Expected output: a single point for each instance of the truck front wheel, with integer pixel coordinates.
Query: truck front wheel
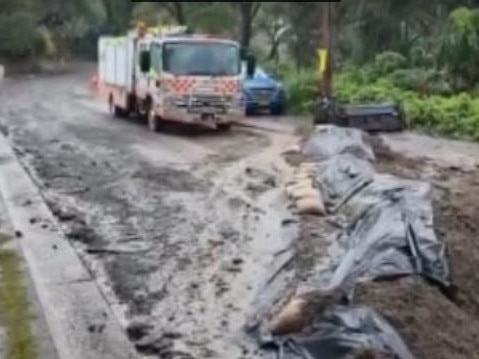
(153, 121)
(119, 112)
(224, 126)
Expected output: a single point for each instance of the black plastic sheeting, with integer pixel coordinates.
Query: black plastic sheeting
(329, 141)
(345, 332)
(385, 230)
(389, 229)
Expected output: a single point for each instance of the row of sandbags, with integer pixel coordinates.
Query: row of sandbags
(306, 198)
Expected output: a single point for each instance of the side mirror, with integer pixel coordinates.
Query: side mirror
(145, 61)
(250, 65)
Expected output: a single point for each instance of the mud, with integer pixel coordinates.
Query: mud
(183, 229)
(435, 324)
(179, 228)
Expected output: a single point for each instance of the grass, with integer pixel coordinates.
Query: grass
(15, 311)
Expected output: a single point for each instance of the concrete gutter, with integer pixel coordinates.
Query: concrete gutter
(79, 318)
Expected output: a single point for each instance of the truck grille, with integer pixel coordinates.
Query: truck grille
(207, 101)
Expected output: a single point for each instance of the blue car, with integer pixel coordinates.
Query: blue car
(263, 92)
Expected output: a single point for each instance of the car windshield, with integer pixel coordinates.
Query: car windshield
(201, 58)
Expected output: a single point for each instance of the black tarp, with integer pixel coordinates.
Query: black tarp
(386, 231)
(389, 229)
(344, 332)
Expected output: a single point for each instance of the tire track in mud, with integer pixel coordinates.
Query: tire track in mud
(199, 250)
(179, 249)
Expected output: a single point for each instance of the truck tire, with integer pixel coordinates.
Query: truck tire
(224, 127)
(119, 112)
(153, 121)
(115, 110)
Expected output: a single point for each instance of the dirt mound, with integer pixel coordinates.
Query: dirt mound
(435, 326)
(432, 325)
(435, 323)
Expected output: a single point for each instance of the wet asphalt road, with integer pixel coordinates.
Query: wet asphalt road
(179, 228)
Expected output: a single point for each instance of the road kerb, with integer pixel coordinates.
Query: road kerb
(81, 322)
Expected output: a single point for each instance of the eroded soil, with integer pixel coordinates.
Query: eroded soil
(182, 229)
(178, 228)
(437, 325)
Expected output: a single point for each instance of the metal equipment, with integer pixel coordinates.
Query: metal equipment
(387, 117)
(372, 117)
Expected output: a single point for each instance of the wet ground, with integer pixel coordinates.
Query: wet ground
(437, 325)
(179, 228)
(182, 228)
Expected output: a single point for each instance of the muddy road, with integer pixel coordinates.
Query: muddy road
(178, 228)
(182, 229)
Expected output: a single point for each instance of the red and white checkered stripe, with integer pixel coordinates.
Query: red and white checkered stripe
(185, 85)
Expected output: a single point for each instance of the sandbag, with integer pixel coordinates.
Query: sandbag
(300, 185)
(291, 319)
(305, 192)
(303, 175)
(308, 167)
(310, 205)
(296, 148)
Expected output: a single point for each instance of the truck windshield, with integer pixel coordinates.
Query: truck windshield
(201, 58)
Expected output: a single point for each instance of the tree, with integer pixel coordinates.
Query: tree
(459, 50)
(303, 38)
(247, 14)
(17, 28)
(177, 10)
(118, 14)
(272, 22)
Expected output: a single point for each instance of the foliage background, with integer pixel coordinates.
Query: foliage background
(423, 53)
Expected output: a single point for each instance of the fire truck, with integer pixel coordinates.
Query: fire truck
(165, 74)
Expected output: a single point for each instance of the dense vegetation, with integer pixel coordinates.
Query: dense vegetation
(423, 53)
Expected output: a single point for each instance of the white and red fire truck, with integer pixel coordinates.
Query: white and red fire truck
(165, 74)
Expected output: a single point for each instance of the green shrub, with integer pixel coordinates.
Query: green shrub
(425, 81)
(389, 61)
(428, 106)
(44, 43)
(14, 43)
(302, 89)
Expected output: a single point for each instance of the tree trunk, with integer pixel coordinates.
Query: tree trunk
(180, 13)
(248, 11)
(118, 17)
(273, 52)
(177, 11)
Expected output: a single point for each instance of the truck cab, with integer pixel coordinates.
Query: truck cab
(192, 80)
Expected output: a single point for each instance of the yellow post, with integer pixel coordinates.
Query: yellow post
(322, 60)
